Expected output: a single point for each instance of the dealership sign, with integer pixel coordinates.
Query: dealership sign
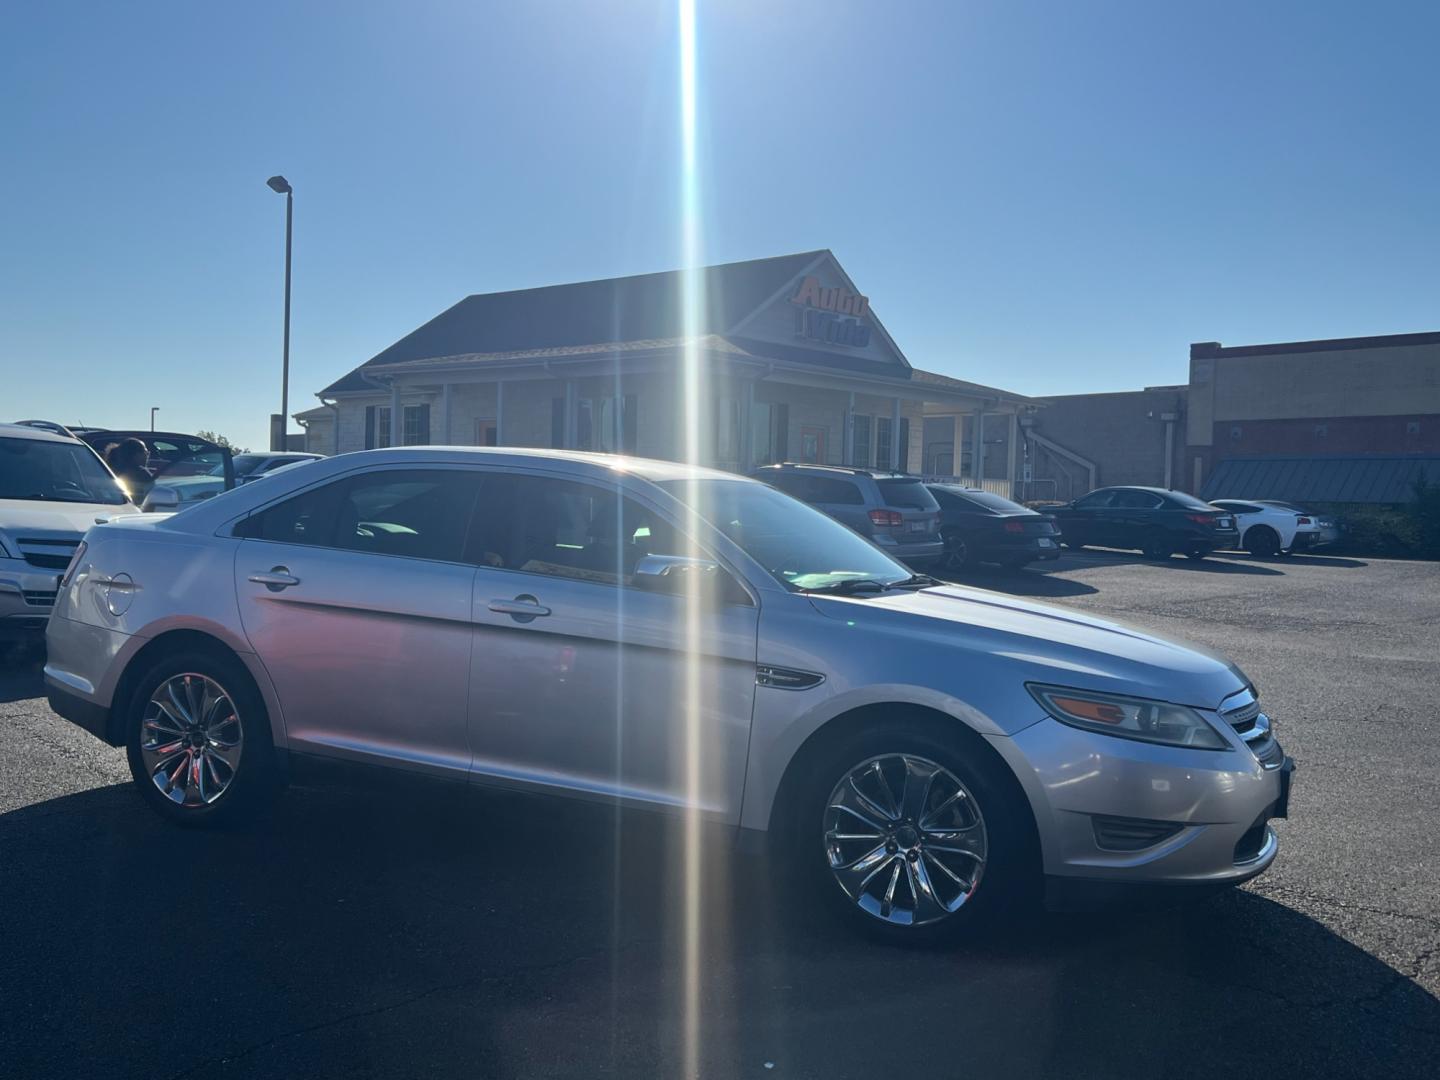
(831, 315)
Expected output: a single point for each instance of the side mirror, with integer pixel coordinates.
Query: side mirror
(161, 500)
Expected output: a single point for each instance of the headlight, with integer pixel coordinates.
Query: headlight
(1129, 718)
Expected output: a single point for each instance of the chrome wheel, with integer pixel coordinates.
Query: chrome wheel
(191, 739)
(905, 839)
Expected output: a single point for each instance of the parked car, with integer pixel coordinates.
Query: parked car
(175, 460)
(247, 467)
(52, 488)
(1270, 528)
(893, 510)
(981, 527)
(1154, 520)
(918, 754)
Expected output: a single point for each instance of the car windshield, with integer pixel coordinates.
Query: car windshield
(989, 501)
(798, 545)
(55, 472)
(1186, 502)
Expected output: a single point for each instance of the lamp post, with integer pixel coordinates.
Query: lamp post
(281, 186)
(153, 410)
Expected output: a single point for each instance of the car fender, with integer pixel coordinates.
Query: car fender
(785, 719)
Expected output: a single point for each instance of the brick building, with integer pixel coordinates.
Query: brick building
(1327, 400)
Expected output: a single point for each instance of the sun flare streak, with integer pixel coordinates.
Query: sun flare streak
(693, 396)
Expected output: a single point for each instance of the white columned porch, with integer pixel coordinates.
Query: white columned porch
(568, 433)
(747, 428)
(397, 418)
(849, 441)
(500, 413)
(894, 434)
(1012, 442)
(445, 438)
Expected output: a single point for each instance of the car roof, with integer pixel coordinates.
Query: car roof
(837, 470)
(209, 514)
(21, 431)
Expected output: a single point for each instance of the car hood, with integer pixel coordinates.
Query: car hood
(1050, 644)
(21, 516)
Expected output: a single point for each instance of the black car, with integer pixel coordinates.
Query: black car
(1158, 522)
(979, 527)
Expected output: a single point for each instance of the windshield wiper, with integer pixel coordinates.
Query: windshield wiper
(914, 581)
(854, 586)
(849, 587)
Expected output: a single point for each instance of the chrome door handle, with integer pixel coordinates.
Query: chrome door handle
(275, 579)
(522, 609)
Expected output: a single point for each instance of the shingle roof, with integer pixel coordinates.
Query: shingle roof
(1375, 478)
(640, 308)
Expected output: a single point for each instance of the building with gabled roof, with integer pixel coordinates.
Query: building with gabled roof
(795, 361)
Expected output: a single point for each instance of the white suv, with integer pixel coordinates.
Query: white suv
(52, 488)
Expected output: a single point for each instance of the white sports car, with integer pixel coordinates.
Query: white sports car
(1269, 527)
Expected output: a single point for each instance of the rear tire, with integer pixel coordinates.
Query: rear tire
(197, 736)
(1262, 541)
(976, 856)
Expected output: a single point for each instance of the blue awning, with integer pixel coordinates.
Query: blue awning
(1364, 478)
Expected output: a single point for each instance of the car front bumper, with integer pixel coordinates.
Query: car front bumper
(1116, 810)
(27, 594)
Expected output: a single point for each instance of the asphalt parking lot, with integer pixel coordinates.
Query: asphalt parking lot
(442, 933)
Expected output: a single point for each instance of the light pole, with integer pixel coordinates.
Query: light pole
(281, 186)
(153, 410)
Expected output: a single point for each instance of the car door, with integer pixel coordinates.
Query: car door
(356, 598)
(579, 678)
(1084, 522)
(1132, 515)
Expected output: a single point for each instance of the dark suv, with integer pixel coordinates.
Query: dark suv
(893, 510)
(1158, 522)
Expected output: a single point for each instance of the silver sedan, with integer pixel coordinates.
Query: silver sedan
(666, 637)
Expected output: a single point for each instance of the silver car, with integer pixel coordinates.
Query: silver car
(668, 637)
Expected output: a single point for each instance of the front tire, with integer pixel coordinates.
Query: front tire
(198, 740)
(913, 833)
(1156, 546)
(957, 553)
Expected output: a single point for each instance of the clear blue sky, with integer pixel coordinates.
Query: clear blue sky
(1052, 197)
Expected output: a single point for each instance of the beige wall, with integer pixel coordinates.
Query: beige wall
(1394, 381)
(526, 419)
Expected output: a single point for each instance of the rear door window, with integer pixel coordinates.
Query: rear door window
(833, 490)
(1096, 500)
(1137, 500)
(415, 513)
(908, 493)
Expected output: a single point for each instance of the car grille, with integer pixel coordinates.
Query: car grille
(40, 597)
(1254, 727)
(48, 554)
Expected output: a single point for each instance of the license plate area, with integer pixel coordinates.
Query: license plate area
(919, 526)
